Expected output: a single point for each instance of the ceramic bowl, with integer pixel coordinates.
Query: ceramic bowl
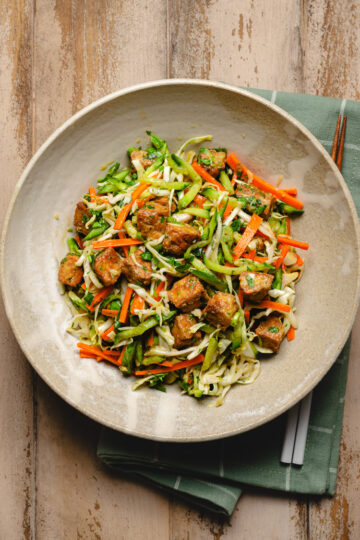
(272, 143)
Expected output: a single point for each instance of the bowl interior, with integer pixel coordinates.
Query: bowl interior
(271, 144)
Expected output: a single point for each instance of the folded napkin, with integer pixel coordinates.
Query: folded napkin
(212, 474)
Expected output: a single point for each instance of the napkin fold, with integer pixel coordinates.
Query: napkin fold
(212, 474)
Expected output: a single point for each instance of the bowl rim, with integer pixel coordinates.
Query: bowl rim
(106, 99)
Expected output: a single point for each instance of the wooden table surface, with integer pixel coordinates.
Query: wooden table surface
(55, 58)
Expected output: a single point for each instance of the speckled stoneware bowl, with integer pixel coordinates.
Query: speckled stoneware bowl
(272, 143)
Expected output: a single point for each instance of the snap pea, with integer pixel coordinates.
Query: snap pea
(115, 305)
(228, 235)
(200, 212)
(78, 302)
(73, 246)
(253, 266)
(211, 279)
(283, 228)
(210, 354)
(208, 328)
(178, 186)
(96, 231)
(200, 244)
(287, 209)
(142, 328)
(220, 269)
(127, 360)
(139, 352)
(158, 143)
(225, 180)
(226, 251)
(210, 227)
(148, 360)
(276, 284)
(182, 167)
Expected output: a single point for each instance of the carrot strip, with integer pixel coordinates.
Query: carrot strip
(207, 177)
(150, 341)
(233, 180)
(158, 290)
(288, 225)
(138, 303)
(181, 365)
(236, 164)
(273, 305)
(93, 195)
(200, 200)
(116, 243)
(247, 236)
(100, 354)
(241, 297)
(290, 191)
(252, 253)
(247, 315)
(228, 211)
(105, 334)
(290, 242)
(96, 350)
(79, 241)
(291, 333)
(122, 235)
(83, 286)
(125, 306)
(256, 258)
(282, 256)
(99, 297)
(299, 260)
(110, 312)
(120, 220)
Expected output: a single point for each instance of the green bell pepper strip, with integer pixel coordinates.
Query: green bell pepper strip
(73, 246)
(225, 180)
(226, 251)
(96, 231)
(127, 360)
(199, 212)
(276, 284)
(210, 353)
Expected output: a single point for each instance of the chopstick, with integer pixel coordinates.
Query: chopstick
(297, 422)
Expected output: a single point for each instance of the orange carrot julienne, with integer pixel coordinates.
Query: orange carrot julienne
(83, 286)
(158, 290)
(207, 177)
(288, 225)
(105, 334)
(181, 365)
(290, 191)
(282, 256)
(138, 303)
(247, 315)
(98, 353)
(95, 350)
(247, 235)
(233, 180)
(290, 242)
(122, 235)
(228, 210)
(99, 297)
(291, 333)
(125, 306)
(200, 200)
(93, 195)
(241, 297)
(299, 260)
(120, 220)
(272, 305)
(256, 258)
(150, 341)
(234, 162)
(79, 241)
(121, 242)
(110, 312)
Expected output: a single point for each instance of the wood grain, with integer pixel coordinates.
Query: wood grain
(17, 509)
(84, 50)
(55, 58)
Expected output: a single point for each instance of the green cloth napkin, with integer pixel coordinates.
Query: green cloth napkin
(212, 475)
